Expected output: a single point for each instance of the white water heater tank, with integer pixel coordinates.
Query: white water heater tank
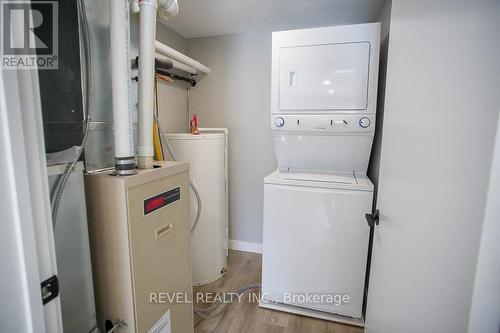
(207, 157)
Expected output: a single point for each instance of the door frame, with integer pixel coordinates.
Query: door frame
(27, 204)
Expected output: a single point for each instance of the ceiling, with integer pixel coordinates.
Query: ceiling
(202, 18)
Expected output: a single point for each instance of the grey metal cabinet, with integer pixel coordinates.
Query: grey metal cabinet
(73, 254)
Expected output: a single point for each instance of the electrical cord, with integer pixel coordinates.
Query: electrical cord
(118, 324)
(63, 179)
(213, 310)
(164, 138)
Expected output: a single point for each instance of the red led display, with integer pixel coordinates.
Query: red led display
(161, 200)
(153, 203)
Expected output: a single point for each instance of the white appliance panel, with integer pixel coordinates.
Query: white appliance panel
(324, 77)
(316, 241)
(322, 152)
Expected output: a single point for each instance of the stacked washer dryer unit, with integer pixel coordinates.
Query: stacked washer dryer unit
(323, 105)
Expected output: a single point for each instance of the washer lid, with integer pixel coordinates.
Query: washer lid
(337, 180)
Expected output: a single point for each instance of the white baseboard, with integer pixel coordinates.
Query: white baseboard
(245, 246)
(312, 313)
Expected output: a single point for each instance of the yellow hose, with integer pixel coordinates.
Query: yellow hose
(156, 144)
(156, 134)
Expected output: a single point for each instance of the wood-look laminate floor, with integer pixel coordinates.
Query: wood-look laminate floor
(244, 268)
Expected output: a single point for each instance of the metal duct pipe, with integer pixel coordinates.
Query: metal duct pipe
(120, 69)
(177, 64)
(163, 63)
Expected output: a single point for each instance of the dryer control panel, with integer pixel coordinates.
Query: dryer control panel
(324, 123)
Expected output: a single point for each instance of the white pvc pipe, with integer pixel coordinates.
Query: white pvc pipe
(120, 69)
(176, 55)
(147, 32)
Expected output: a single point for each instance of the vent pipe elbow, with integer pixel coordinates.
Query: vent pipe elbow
(167, 9)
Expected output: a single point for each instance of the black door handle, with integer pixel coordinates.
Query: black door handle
(372, 219)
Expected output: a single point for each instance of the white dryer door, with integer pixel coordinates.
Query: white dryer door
(315, 241)
(324, 77)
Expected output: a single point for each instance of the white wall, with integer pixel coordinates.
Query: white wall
(237, 96)
(172, 97)
(441, 110)
(485, 309)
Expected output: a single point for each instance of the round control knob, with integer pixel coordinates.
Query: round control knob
(279, 122)
(364, 122)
